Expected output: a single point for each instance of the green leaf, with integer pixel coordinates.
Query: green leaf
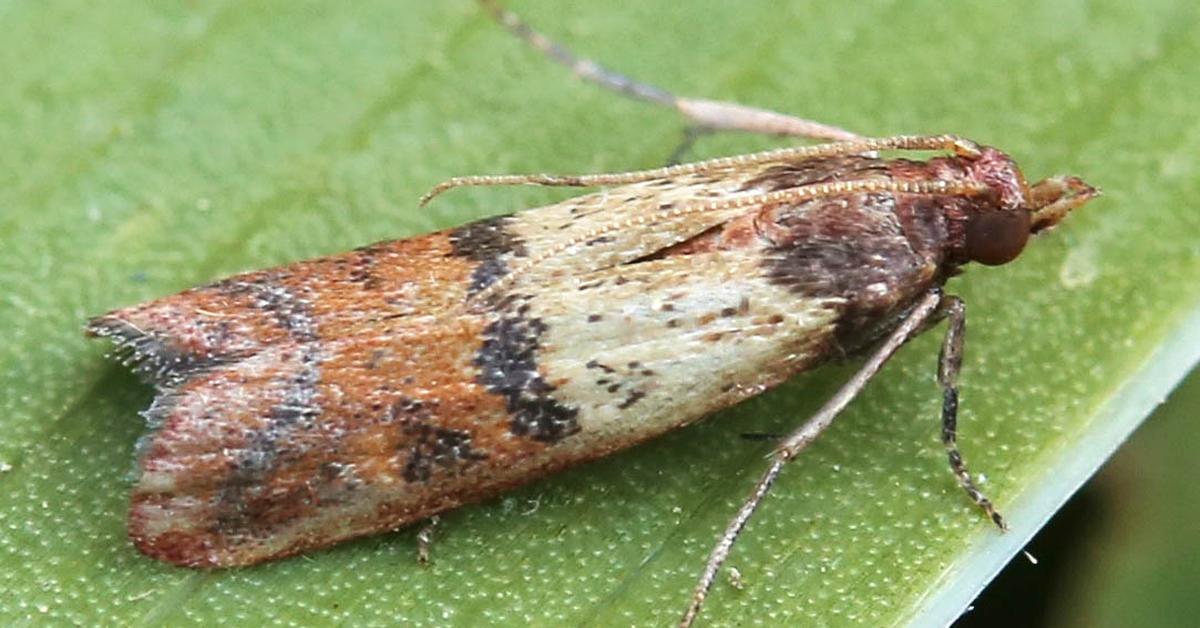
(149, 147)
(1141, 535)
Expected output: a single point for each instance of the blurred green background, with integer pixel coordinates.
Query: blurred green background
(146, 147)
(1123, 551)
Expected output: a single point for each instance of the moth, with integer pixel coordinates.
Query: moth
(304, 405)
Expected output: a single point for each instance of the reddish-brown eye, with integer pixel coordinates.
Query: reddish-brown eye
(997, 237)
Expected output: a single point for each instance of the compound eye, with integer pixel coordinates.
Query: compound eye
(997, 237)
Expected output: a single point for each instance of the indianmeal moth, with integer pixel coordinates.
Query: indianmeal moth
(304, 405)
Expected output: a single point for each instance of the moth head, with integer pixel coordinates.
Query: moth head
(996, 231)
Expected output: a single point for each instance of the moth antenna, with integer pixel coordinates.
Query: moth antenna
(790, 195)
(949, 143)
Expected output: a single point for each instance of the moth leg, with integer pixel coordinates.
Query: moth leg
(795, 442)
(949, 365)
(425, 539)
(690, 135)
(761, 436)
(707, 114)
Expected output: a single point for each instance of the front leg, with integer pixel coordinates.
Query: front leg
(795, 442)
(949, 365)
(714, 115)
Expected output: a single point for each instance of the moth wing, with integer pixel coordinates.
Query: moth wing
(346, 395)
(302, 445)
(169, 339)
(240, 414)
(628, 223)
(644, 348)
